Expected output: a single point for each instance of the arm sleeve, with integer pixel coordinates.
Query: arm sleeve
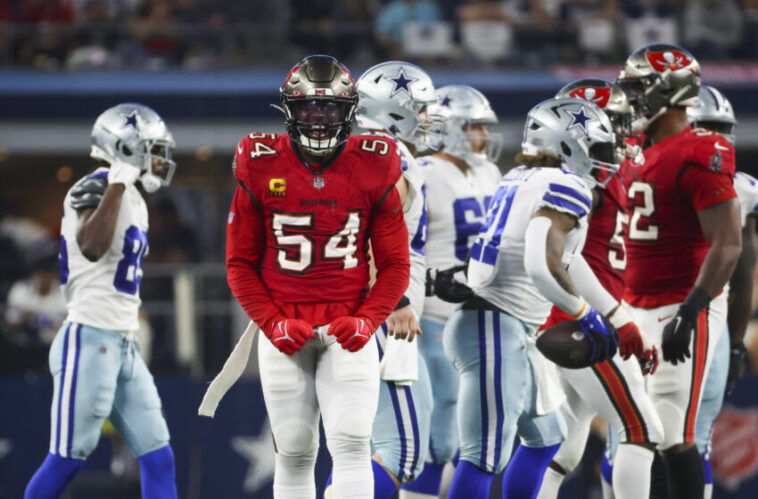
(245, 235)
(535, 263)
(705, 188)
(389, 243)
(588, 285)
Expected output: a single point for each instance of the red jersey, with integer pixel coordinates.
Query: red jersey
(604, 246)
(298, 238)
(665, 188)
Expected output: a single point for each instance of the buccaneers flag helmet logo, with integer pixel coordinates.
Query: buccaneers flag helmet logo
(669, 59)
(597, 95)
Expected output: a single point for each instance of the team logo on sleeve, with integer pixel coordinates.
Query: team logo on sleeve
(715, 162)
(277, 186)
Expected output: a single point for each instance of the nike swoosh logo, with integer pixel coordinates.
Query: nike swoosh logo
(661, 319)
(721, 148)
(239, 149)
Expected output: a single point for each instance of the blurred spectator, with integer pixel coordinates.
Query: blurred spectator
(96, 38)
(46, 47)
(391, 19)
(171, 240)
(6, 13)
(12, 262)
(36, 308)
(594, 21)
(654, 8)
(482, 11)
(52, 11)
(712, 27)
(578, 11)
(542, 37)
(156, 34)
(334, 28)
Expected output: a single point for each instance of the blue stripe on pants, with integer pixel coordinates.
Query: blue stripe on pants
(498, 387)
(400, 429)
(72, 402)
(414, 424)
(60, 390)
(483, 384)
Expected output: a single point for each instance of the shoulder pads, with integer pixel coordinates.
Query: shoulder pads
(88, 192)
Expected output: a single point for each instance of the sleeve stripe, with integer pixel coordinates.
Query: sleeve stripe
(564, 189)
(570, 199)
(565, 205)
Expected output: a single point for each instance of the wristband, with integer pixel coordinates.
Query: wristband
(696, 301)
(404, 302)
(584, 309)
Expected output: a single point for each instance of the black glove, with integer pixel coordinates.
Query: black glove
(677, 334)
(738, 363)
(442, 284)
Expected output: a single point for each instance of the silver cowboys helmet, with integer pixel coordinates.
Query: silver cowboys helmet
(714, 112)
(318, 99)
(610, 98)
(577, 132)
(462, 107)
(658, 77)
(135, 134)
(393, 96)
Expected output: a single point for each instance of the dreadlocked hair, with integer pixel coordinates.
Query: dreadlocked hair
(541, 159)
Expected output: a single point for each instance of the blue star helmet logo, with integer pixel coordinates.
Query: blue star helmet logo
(401, 83)
(446, 101)
(579, 119)
(131, 119)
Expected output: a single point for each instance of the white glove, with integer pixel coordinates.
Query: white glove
(123, 173)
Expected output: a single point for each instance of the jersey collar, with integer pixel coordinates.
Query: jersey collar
(326, 165)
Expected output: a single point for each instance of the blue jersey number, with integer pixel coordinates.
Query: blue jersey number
(464, 228)
(63, 261)
(419, 240)
(129, 269)
(486, 246)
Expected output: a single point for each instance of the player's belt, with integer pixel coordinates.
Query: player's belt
(479, 303)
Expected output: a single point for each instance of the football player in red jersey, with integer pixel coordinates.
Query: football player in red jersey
(683, 242)
(615, 388)
(307, 205)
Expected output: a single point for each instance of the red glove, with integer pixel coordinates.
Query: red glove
(629, 333)
(289, 335)
(648, 360)
(352, 332)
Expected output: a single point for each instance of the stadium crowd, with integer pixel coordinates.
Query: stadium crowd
(211, 34)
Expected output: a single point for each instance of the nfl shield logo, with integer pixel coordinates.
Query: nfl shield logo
(318, 182)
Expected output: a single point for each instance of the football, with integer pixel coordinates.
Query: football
(566, 345)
